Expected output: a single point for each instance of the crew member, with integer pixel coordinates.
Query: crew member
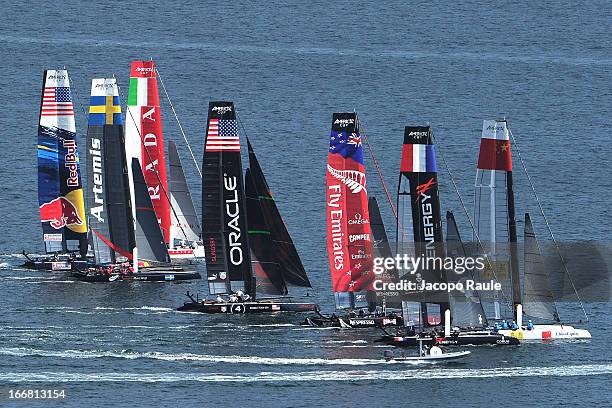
(514, 326)
(530, 325)
(504, 324)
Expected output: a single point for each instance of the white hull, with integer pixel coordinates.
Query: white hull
(187, 253)
(457, 355)
(548, 332)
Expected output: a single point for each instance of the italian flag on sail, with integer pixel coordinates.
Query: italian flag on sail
(144, 139)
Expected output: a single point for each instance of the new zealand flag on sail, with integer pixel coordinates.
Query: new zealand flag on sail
(347, 144)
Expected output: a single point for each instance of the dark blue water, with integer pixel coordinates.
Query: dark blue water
(547, 68)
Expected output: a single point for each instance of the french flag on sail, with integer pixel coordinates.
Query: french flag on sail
(418, 158)
(495, 147)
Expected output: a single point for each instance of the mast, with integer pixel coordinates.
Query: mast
(418, 195)
(144, 138)
(224, 231)
(185, 223)
(494, 212)
(110, 212)
(60, 191)
(349, 243)
(286, 254)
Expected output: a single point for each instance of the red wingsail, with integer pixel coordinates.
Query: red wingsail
(349, 241)
(145, 139)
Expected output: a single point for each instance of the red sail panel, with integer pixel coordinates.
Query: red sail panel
(349, 241)
(143, 105)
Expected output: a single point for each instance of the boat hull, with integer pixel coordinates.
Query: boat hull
(452, 356)
(353, 322)
(545, 332)
(464, 339)
(148, 274)
(56, 262)
(254, 307)
(180, 254)
(55, 265)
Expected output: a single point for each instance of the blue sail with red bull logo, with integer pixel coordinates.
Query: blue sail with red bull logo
(349, 242)
(60, 191)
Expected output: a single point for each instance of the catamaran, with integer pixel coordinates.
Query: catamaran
(350, 243)
(125, 235)
(144, 140)
(248, 249)
(60, 192)
(419, 207)
(495, 220)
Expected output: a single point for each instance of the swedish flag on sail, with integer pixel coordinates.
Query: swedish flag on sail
(105, 106)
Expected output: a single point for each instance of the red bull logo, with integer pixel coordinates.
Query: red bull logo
(72, 163)
(59, 213)
(423, 188)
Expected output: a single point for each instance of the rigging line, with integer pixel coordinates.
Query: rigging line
(161, 184)
(465, 210)
(178, 122)
(535, 194)
(241, 124)
(72, 92)
(380, 176)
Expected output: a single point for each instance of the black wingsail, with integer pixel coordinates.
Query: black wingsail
(149, 239)
(268, 276)
(466, 307)
(225, 236)
(419, 209)
(287, 257)
(110, 212)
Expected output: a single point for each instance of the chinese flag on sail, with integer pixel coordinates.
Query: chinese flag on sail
(495, 147)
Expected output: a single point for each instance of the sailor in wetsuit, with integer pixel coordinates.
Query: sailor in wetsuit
(504, 325)
(530, 325)
(514, 326)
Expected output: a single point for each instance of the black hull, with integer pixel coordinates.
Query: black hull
(254, 307)
(153, 274)
(464, 339)
(55, 264)
(353, 322)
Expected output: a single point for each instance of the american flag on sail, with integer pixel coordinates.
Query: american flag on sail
(222, 136)
(57, 101)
